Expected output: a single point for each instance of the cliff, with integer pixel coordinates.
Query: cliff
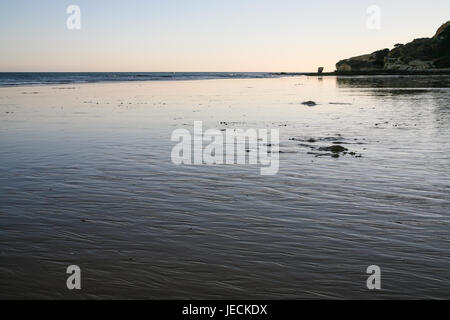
(419, 55)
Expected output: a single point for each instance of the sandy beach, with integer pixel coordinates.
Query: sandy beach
(86, 178)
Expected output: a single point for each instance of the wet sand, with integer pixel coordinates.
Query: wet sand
(86, 179)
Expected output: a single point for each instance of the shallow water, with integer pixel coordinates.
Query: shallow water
(86, 179)
(8, 79)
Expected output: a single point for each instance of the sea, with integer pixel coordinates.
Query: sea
(43, 78)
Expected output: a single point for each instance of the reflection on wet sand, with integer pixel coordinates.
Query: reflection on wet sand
(86, 179)
(436, 81)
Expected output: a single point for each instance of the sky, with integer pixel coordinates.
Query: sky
(206, 35)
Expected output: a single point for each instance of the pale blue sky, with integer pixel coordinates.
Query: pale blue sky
(205, 35)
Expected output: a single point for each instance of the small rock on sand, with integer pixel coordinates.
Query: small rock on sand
(334, 149)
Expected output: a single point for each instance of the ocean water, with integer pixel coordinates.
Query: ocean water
(86, 179)
(43, 78)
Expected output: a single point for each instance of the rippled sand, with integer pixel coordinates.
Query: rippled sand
(86, 179)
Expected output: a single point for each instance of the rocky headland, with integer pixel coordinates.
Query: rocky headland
(424, 55)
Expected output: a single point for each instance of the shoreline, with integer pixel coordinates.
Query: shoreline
(273, 76)
(382, 73)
